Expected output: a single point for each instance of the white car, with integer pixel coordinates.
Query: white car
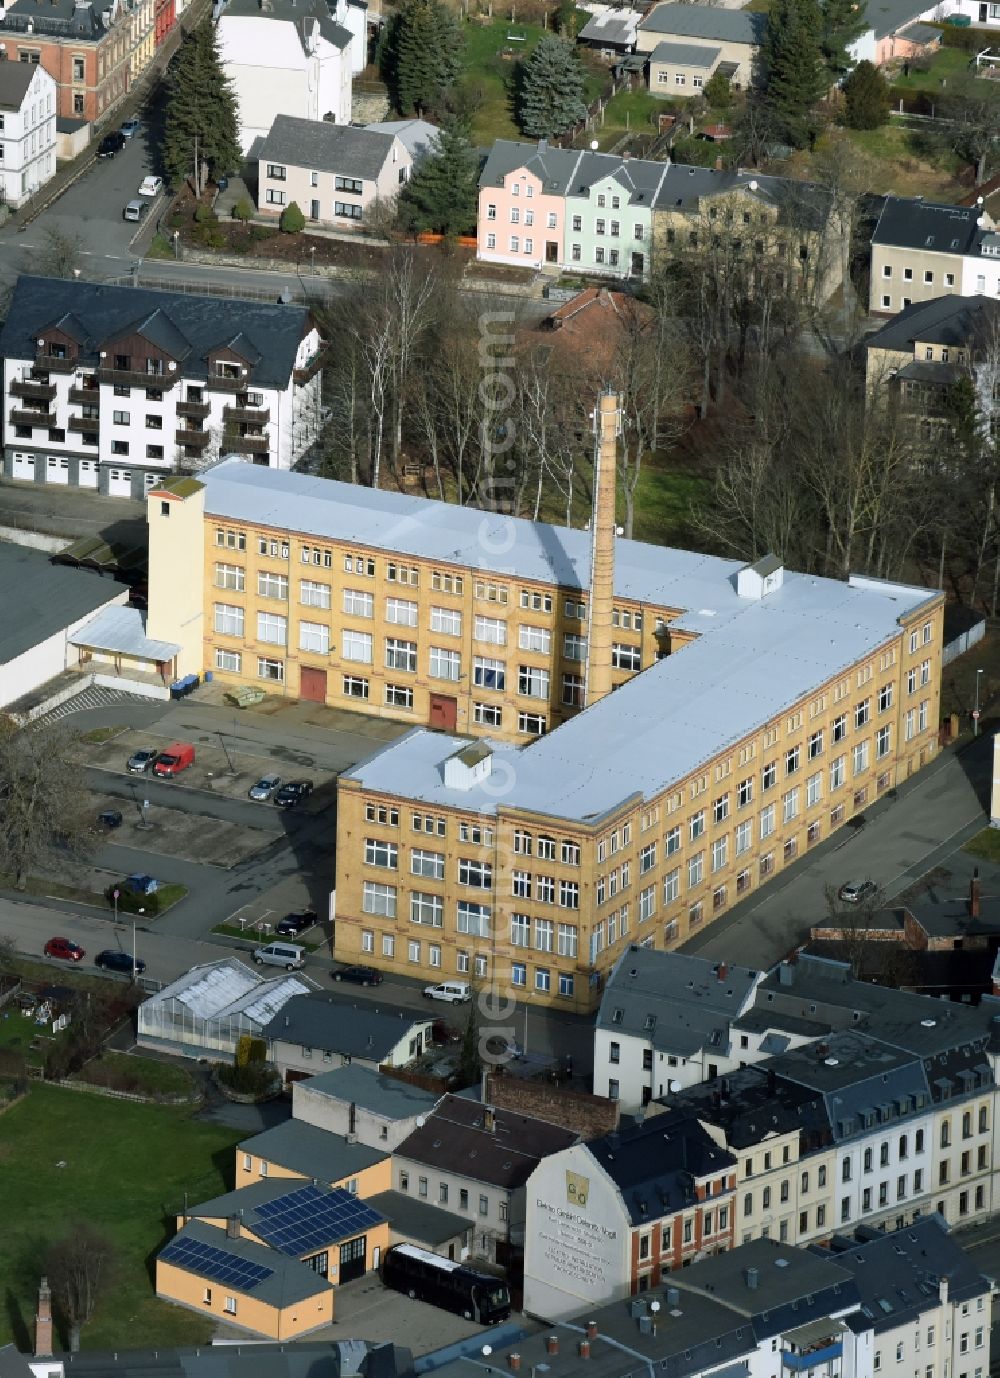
(151, 186)
(454, 992)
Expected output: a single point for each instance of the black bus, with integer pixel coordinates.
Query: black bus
(445, 1283)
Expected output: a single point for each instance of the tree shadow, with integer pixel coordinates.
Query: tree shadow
(19, 1328)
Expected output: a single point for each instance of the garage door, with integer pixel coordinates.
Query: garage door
(88, 473)
(120, 483)
(57, 469)
(312, 684)
(23, 467)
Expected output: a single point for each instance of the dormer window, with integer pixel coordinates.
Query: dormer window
(224, 369)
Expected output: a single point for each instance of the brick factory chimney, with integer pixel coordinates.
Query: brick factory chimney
(602, 550)
(43, 1321)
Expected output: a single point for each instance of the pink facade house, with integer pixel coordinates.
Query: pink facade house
(522, 203)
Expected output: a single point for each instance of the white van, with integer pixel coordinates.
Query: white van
(287, 955)
(135, 210)
(454, 992)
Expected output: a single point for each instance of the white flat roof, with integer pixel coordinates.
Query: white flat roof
(752, 661)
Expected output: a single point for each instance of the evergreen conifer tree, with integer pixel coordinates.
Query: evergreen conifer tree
(200, 126)
(442, 194)
(841, 22)
(551, 89)
(793, 77)
(421, 55)
(866, 96)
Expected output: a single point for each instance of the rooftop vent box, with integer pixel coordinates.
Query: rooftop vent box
(761, 578)
(468, 766)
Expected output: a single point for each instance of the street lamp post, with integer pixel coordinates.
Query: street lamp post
(114, 895)
(975, 711)
(133, 950)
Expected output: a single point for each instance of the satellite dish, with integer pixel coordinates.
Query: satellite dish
(673, 1087)
(753, 185)
(654, 1306)
(420, 1121)
(594, 145)
(980, 200)
(486, 1351)
(982, 222)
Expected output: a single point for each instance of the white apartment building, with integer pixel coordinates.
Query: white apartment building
(290, 57)
(111, 387)
(27, 130)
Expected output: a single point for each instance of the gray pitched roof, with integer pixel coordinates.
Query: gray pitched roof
(678, 1003)
(332, 1025)
(802, 204)
(288, 1280)
(418, 137)
(889, 16)
(324, 147)
(706, 21)
(86, 22)
(907, 222)
(553, 166)
(953, 321)
(456, 1138)
(252, 1359)
(685, 54)
(640, 178)
(898, 1274)
(99, 313)
(310, 1151)
(371, 1090)
(15, 78)
(292, 12)
(49, 598)
(655, 1164)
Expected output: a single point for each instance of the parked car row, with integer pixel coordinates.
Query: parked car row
(147, 760)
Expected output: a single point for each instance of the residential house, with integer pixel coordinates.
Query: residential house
(918, 356)
(522, 203)
(27, 130)
(112, 387)
(664, 1023)
(924, 1304)
(335, 173)
(379, 1110)
(609, 213)
(606, 1219)
(476, 1160)
(206, 1012)
(922, 250)
(336, 1233)
(242, 1283)
(291, 57)
(53, 603)
(317, 1031)
(792, 227)
(726, 40)
(296, 1149)
(94, 50)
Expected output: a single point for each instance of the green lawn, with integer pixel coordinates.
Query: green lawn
(945, 63)
(126, 1169)
(985, 845)
(663, 503)
(147, 1076)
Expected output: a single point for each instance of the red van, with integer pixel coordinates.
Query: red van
(176, 758)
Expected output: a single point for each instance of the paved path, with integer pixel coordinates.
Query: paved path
(902, 838)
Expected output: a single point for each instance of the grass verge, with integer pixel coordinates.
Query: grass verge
(144, 1076)
(103, 734)
(232, 930)
(126, 1169)
(985, 845)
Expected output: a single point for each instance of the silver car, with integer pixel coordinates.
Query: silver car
(140, 761)
(265, 787)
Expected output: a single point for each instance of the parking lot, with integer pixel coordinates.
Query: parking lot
(178, 833)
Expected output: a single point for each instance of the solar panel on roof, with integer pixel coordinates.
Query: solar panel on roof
(216, 1264)
(308, 1218)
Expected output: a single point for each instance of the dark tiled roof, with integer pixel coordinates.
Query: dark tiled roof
(419, 1220)
(678, 1003)
(292, 12)
(94, 313)
(552, 166)
(952, 321)
(61, 18)
(908, 223)
(49, 597)
(803, 205)
(655, 1165)
(330, 1025)
(685, 54)
(325, 147)
(375, 1091)
(15, 78)
(455, 1139)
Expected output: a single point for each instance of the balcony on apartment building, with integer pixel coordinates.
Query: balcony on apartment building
(193, 436)
(23, 416)
(33, 389)
(234, 443)
(196, 410)
(232, 381)
(86, 425)
(54, 363)
(121, 373)
(85, 394)
(241, 413)
(811, 1346)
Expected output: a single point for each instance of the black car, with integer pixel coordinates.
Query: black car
(293, 924)
(110, 818)
(359, 975)
(113, 960)
(111, 144)
(293, 793)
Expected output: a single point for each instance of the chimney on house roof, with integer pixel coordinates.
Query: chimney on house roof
(490, 1119)
(43, 1321)
(722, 970)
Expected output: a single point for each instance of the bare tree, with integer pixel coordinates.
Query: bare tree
(60, 253)
(80, 1266)
(44, 806)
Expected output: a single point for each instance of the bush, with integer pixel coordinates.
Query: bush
(972, 40)
(255, 1079)
(292, 220)
(243, 210)
(204, 215)
(718, 92)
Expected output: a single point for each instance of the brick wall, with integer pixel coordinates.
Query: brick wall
(589, 1116)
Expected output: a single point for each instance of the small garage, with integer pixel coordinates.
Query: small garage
(88, 473)
(57, 469)
(120, 483)
(23, 466)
